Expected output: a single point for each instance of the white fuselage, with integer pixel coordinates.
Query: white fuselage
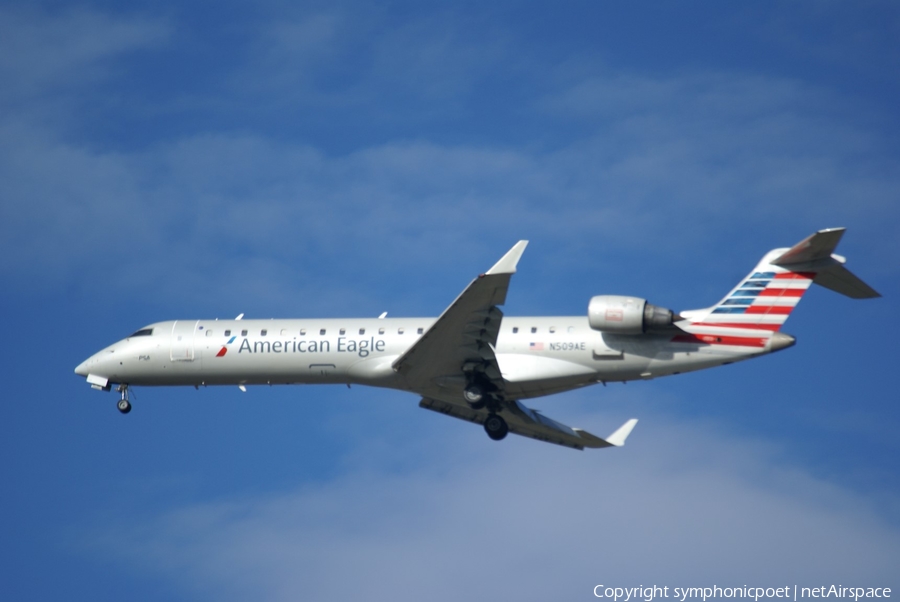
(536, 355)
(475, 364)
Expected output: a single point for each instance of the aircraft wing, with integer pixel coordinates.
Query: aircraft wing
(531, 423)
(463, 337)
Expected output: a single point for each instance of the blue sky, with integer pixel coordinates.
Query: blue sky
(291, 159)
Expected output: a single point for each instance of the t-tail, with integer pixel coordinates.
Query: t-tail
(752, 314)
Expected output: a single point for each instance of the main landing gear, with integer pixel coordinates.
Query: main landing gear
(495, 427)
(124, 405)
(475, 397)
(478, 397)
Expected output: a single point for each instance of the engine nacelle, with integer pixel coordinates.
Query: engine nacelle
(627, 315)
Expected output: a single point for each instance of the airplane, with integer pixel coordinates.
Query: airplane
(474, 363)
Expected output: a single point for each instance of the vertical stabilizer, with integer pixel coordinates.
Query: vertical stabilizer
(763, 300)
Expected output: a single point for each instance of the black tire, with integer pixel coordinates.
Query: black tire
(124, 406)
(495, 427)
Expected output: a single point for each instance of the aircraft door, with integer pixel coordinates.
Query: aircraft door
(182, 349)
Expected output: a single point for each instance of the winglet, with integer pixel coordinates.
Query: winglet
(507, 263)
(618, 438)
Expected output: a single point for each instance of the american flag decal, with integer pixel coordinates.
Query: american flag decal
(764, 300)
(536, 346)
(757, 307)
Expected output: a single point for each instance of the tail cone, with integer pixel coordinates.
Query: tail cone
(781, 341)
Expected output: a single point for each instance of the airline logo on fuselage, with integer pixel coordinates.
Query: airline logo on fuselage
(224, 348)
(361, 347)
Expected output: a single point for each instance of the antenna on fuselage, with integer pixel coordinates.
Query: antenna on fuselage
(382, 316)
(240, 317)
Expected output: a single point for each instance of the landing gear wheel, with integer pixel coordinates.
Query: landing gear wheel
(495, 427)
(473, 395)
(124, 405)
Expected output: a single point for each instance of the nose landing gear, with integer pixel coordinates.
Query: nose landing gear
(124, 405)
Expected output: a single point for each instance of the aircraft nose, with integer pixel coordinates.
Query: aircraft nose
(92, 363)
(82, 368)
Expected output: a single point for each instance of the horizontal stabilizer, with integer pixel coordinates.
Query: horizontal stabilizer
(841, 280)
(532, 424)
(816, 246)
(813, 254)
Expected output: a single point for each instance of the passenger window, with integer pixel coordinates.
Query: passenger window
(343, 331)
(399, 331)
(533, 329)
(209, 333)
(552, 329)
(420, 330)
(381, 331)
(227, 333)
(263, 332)
(284, 331)
(322, 332)
(302, 332)
(362, 331)
(243, 333)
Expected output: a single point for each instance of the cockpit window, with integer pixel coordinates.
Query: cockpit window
(143, 332)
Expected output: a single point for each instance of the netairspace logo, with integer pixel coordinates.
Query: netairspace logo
(682, 594)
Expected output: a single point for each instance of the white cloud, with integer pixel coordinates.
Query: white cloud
(679, 506)
(724, 143)
(688, 162)
(211, 208)
(43, 51)
(366, 60)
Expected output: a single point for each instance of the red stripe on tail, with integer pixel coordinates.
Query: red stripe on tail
(782, 292)
(712, 339)
(777, 310)
(772, 327)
